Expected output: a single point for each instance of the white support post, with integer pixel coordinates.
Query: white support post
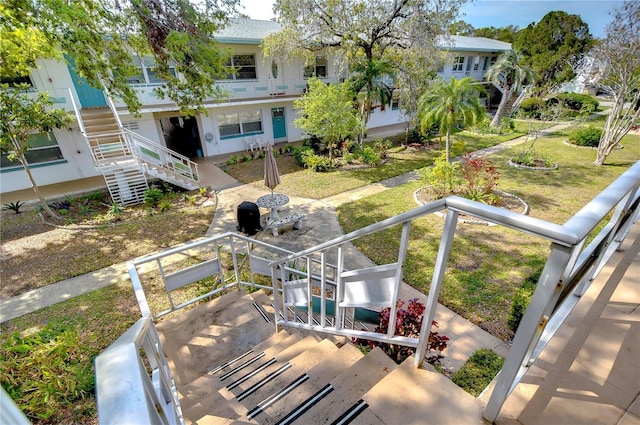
(531, 327)
(402, 255)
(339, 311)
(323, 288)
(309, 291)
(436, 284)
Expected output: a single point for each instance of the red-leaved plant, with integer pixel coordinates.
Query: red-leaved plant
(480, 179)
(408, 323)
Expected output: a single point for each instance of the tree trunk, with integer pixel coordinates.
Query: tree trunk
(506, 96)
(619, 122)
(447, 145)
(34, 186)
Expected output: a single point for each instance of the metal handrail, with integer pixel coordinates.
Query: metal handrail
(167, 159)
(134, 394)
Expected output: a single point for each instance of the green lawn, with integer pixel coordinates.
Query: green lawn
(298, 181)
(488, 264)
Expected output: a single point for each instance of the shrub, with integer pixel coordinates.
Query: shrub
(443, 177)
(151, 197)
(233, 160)
(408, 323)
(301, 153)
(480, 179)
(13, 206)
(532, 107)
(48, 369)
(318, 163)
(521, 300)
(164, 205)
(478, 371)
(586, 136)
(585, 104)
(368, 155)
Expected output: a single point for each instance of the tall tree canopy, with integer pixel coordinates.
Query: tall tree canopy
(553, 46)
(510, 74)
(102, 37)
(402, 33)
(450, 103)
(507, 34)
(461, 28)
(327, 111)
(617, 71)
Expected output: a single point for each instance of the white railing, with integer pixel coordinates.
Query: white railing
(568, 272)
(203, 262)
(109, 147)
(150, 152)
(134, 384)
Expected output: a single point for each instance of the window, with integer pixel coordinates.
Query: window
(16, 80)
(476, 63)
(318, 70)
(241, 123)
(251, 121)
(493, 60)
(43, 149)
(242, 67)
(486, 63)
(458, 64)
(147, 71)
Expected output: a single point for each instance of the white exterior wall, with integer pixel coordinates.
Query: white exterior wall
(264, 93)
(53, 76)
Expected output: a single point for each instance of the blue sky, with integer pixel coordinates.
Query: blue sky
(499, 13)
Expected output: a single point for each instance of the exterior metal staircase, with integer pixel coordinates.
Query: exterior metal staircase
(185, 368)
(241, 372)
(127, 159)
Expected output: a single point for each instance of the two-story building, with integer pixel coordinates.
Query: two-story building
(257, 109)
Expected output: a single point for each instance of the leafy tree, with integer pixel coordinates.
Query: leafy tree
(367, 81)
(461, 28)
(553, 46)
(327, 111)
(617, 71)
(22, 115)
(449, 104)
(91, 32)
(507, 34)
(510, 74)
(401, 33)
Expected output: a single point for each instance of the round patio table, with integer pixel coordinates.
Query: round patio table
(273, 201)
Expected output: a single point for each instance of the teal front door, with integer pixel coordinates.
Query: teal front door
(90, 97)
(279, 124)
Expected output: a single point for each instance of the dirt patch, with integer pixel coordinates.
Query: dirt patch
(35, 254)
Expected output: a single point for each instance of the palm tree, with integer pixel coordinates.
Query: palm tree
(510, 74)
(449, 104)
(367, 82)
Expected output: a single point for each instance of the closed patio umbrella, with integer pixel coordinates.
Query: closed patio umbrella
(271, 174)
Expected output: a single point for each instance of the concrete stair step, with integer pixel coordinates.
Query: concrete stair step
(209, 333)
(313, 379)
(267, 365)
(215, 420)
(389, 398)
(215, 406)
(341, 393)
(211, 383)
(251, 395)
